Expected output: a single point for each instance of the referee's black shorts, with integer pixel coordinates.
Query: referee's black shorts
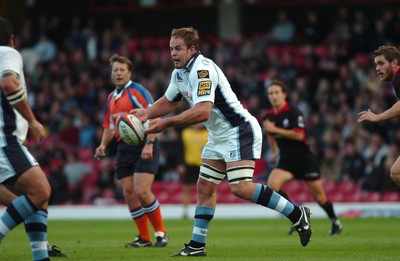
(129, 160)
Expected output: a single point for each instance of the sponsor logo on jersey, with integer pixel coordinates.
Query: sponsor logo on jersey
(301, 121)
(311, 175)
(204, 88)
(203, 74)
(285, 123)
(187, 96)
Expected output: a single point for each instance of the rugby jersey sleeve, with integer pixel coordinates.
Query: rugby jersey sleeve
(107, 121)
(11, 61)
(396, 84)
(297, 120)
(139, 96)
(172, 93)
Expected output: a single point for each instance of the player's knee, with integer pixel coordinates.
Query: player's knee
(395, 176)
(241, 189)
(128, 193)
(143, 195)
(205, 187)
(43, 197)
(40, 198)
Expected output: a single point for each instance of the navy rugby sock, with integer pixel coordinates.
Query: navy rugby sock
(266, 197)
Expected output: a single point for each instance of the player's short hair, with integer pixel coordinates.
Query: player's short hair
(121, 59)
(389, 52)
(280, 84)
(188, 34)
(6, 31)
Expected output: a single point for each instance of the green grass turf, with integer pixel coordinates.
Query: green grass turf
(234, 239)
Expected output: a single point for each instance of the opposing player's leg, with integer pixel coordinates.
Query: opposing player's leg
(191, 174)
(395, 172)
(318, 192)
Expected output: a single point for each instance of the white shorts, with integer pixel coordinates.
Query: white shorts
(239, 143)
(15, 159)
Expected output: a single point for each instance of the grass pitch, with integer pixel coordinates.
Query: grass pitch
(233, 239)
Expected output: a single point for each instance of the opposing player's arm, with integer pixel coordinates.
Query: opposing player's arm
(272, 143)
(390, 113)
(294, 134)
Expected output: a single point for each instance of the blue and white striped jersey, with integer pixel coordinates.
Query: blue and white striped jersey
(202, 80)
(12, 125)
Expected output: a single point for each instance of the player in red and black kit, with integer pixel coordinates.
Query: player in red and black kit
(136, 165)
(286, 133)
(387, 62)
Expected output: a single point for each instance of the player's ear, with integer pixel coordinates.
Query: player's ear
(12, 41)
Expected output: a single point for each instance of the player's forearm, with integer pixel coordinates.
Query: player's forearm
(160, 108)
(108, 135)
(197, 114)
(390, 113)
(25, 110)
(273, 145)
(290, 134)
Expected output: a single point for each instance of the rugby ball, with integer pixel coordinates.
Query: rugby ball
(130, 129)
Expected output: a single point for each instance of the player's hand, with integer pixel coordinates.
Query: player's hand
(100, 152)
(269, 126)
(38, 130)
(367, 116)
(274, 158)
(156, 125)
(141, 114)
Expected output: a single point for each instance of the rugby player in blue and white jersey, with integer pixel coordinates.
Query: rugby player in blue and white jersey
(234, 141)
(19, 171)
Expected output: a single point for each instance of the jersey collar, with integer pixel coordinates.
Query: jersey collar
(396, 73)
(191, 61)
(117, 94)
(284, 108)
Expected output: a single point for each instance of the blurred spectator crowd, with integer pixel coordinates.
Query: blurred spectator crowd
(328, 69)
